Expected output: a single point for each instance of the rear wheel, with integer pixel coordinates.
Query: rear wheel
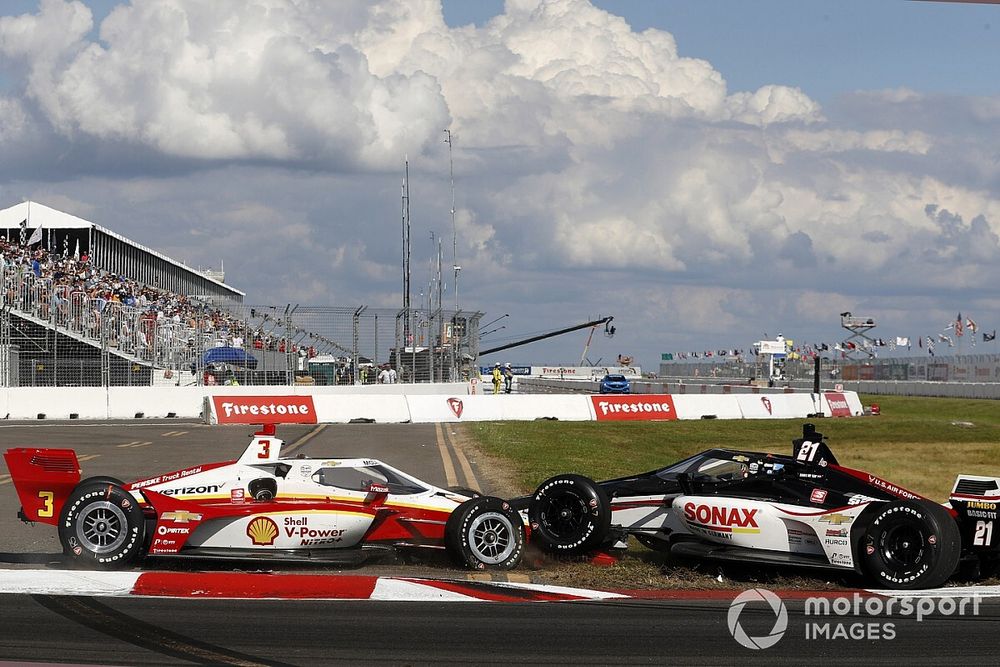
(485, 533)
(102, 524)
(908, 544)
(569, 514)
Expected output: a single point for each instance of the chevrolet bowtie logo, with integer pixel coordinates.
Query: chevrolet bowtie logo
(836, 519)
(180, 516)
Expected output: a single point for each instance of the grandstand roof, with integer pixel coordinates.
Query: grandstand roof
(40, 215)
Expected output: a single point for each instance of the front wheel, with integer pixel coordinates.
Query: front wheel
(908, 544)
(102, 524)
(485, 533)
(569, 514)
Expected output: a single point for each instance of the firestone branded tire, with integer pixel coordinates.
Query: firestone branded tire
(485, 533)
(908, 544)
(569, 514)
(102, 525)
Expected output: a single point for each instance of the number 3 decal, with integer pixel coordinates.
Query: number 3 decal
(265, 449)
(47, 504)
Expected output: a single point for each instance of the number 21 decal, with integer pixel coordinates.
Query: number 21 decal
(984, 534)
(807, 452)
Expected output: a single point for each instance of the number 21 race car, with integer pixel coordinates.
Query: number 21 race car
(803, 510)
(261, 506)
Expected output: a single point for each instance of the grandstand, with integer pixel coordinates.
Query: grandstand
(85, 306)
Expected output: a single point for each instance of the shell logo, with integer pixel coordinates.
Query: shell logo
(262, 531)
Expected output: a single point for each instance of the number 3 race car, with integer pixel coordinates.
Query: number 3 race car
(261, 506)
(802, 510)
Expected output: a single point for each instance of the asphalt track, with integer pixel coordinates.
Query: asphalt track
(142, 631)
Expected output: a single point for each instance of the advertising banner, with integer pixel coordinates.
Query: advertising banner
(838, 404)
(634, 407)
(264, 409)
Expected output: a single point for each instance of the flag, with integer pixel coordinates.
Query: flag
(947, 339)
(987, 337)
(970, 325)
(36, 236)
(920, 342)
(666, 356)
(24, 226)
(958, 325)
(902, 341)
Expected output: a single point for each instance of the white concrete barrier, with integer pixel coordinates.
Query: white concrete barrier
(444, 408)
(713, 406)
(449, 402)
(779, 406)
(345, 408)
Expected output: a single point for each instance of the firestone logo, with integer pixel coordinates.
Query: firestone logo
(634, 408)
(265, 409)
(456, 407)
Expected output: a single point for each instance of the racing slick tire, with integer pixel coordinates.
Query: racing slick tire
(908, 544)
(485, 533)
(102, 525)
(569, 514)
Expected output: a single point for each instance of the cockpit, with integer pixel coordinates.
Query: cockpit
(361, 479)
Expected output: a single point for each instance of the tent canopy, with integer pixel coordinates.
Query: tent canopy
(236, 356)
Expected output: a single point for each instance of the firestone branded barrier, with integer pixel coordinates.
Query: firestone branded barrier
(419, 403)
(238, 409)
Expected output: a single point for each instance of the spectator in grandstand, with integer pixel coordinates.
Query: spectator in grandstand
(393, 378)
(383, 376)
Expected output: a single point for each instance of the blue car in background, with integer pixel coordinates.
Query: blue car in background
(615, 384)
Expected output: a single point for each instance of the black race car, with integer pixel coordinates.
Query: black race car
(803, 510)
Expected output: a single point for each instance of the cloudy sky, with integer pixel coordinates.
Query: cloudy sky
(705, 172)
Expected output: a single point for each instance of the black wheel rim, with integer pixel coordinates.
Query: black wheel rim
(564, 515)
(902, 547)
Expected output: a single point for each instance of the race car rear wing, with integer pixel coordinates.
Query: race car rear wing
(976, 500)
(43, 478)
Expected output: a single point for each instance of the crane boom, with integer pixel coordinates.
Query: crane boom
(535, 339)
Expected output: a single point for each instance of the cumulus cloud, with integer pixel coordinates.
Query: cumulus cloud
(583, 148)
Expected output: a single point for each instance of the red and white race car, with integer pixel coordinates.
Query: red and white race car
(261, 506)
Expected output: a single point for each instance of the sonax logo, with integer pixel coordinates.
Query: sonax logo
(264, 409)
(722, 519)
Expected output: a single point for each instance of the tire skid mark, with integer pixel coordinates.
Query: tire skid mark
(289, 448)
(102, 618)
(449, 467)
(463, 462)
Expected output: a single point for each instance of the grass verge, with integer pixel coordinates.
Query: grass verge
(919, 443)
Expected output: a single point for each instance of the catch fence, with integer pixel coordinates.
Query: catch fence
(56, 333)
